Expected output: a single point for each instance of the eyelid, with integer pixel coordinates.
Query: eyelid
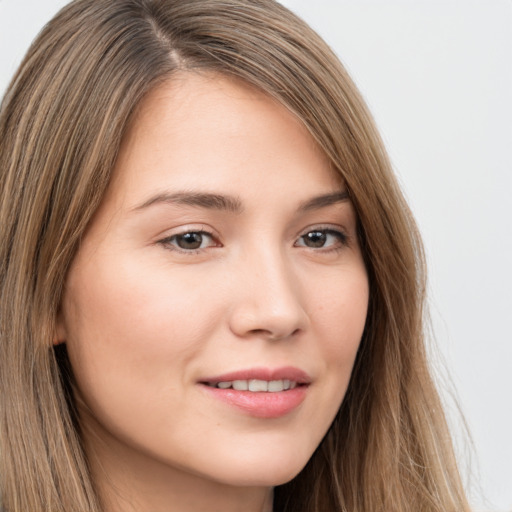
(343, 236)
(183, 230)
(324, 227)
(333, 229)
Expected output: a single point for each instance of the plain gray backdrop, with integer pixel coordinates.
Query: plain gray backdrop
(437, 76)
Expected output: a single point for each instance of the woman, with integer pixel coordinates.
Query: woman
(212, 288)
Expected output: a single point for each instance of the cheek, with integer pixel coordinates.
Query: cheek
(131, 338)
(339, 310)
(129, 333)
(127, 304)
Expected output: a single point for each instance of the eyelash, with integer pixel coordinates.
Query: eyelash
(170, 241)
(343, 239)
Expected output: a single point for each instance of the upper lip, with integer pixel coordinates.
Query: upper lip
(284, 373)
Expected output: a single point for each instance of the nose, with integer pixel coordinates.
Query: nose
(268, 302)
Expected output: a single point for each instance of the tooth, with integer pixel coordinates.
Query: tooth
(224, 385)
(293, 385)
(240, 385)
(258, 385)
(286, 384)
(276, 385)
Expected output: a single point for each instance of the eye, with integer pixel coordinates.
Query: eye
(190, 241)
(322, 238)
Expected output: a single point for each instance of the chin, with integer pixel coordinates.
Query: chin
(266, 478)
(276, 469)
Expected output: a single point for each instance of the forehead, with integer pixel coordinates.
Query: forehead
(203, 129)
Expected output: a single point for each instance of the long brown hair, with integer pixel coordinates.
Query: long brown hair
(61, 124)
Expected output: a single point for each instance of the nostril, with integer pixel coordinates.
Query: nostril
(274, 335)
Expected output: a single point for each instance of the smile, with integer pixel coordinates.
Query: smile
(256, 385)
(260, 392)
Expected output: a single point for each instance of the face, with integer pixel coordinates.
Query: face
(216, 304)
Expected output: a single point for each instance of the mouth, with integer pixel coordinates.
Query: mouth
(260, 393)
(256, 385)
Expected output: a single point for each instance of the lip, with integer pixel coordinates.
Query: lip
(285, 372)
(265, 405)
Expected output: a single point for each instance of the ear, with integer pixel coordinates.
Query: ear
(60, 329)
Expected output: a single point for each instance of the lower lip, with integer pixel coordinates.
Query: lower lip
(261, 404)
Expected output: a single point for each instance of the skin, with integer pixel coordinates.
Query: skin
(145, 319)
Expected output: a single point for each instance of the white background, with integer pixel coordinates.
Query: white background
(438, 78)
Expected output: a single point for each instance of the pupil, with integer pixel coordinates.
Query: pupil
(190, 241)
(316, 239)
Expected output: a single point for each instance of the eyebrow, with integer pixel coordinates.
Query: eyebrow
(316, 203)
(232, 203)
(199, 199)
